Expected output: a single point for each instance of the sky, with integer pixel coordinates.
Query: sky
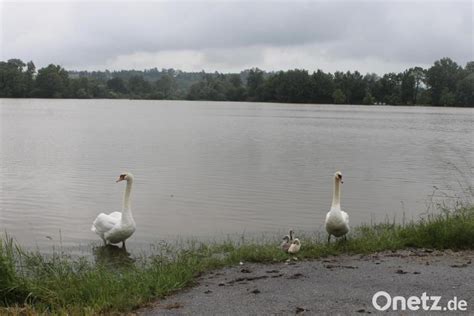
(230, 35)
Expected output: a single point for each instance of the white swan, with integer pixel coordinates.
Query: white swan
(295, 246)
(116, 227)
(337, 221)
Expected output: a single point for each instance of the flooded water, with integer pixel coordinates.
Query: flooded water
(212, 169)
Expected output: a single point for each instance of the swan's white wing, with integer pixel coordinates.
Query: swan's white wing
(345, 216)
(327, 216)
(116, 215)
(103, 223)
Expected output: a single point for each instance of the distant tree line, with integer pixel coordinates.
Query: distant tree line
(445, 83)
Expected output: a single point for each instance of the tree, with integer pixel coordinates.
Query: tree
(139, 87)
(293, 86)
(358, 88)
(98, 89)
(442, 79)
(388, 88)
(371, 82)
(407, 88)
(341, 88)
(339, 97)
(52, 82)
(352, 85)
(236, 91)
(117, 85)
(12, 79)
(195, 91)
(419, 74)
(368, 99)
(444, 84)
(213, 87)
(465, 91)
(255, 84)
(30, 78)
(465, 86)
(166, 86)
(323, 87)
(79, 88)
(447, 98)
(468, 69)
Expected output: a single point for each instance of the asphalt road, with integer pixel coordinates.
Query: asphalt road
(342, 285)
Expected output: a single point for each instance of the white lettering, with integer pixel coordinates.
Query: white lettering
(388, 299)
(462, 305)
(424, 299)
(413, 303)
(435, 306)
(453, 304)
(403, 303)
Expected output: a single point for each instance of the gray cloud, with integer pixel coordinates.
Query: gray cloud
(370, 36)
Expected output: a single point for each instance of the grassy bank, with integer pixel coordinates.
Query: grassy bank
(30, 282)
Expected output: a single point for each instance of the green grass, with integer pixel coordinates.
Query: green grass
(61, 284)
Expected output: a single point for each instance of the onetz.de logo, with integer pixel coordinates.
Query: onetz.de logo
(383, 301)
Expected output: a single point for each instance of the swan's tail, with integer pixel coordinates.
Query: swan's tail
(95, 225)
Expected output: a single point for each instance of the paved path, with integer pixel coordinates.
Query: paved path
(341, 285)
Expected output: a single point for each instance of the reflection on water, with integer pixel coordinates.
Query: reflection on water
(112, 256)
(213, 169)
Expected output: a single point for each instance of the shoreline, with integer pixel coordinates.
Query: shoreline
(264, 102)
(59, 284)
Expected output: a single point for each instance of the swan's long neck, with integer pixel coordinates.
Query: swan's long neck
(336, 196)
(126, 208)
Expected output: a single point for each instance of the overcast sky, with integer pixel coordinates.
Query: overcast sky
(370, 36)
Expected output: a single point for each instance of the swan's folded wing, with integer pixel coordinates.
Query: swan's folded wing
(345, 216)
(104, 222)
(117, 215)
(327, 216)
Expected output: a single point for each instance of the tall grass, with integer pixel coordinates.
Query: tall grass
(62, 284)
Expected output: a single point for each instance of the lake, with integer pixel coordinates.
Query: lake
(216, 169)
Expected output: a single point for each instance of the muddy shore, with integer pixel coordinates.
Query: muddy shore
(335, 285)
